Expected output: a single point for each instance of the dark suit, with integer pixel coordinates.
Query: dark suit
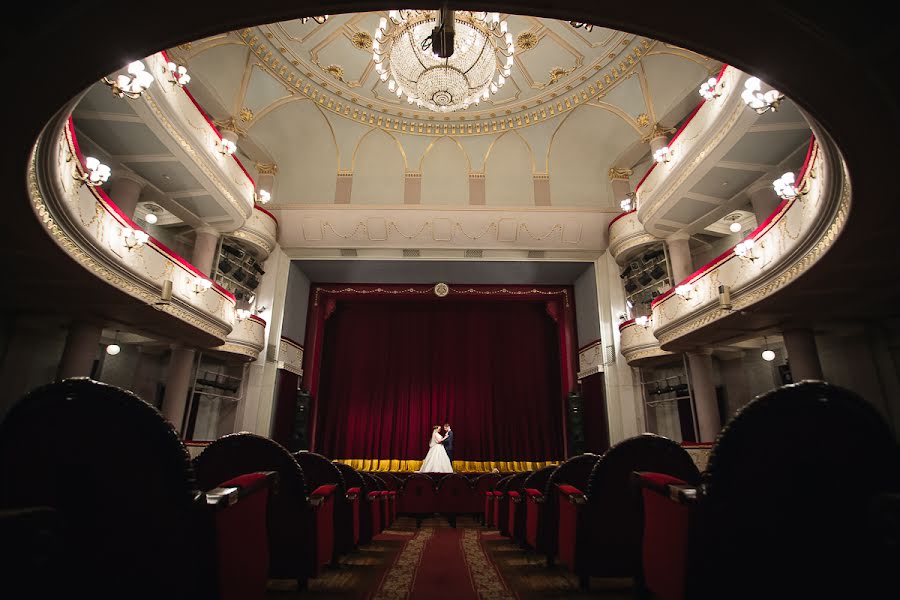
(448, 445)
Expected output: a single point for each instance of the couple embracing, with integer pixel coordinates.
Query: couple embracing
(440, 456)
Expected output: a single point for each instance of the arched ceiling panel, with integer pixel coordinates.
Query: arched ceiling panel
(445, 174)
(378, 170)
(509, 172)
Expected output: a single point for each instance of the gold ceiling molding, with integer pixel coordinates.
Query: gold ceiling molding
(336, 71)
(361, 40)
(545, 108)
(557, 73)
(526, 40)
(229, 124)
(267, 168)
(643, 120)
(657, 131)
(246, 115)
(618, 173)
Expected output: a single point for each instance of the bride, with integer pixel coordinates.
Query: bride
(436, 461)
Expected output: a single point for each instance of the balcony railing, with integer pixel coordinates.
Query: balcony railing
(248, 338)
(627, 233)
(637, 342)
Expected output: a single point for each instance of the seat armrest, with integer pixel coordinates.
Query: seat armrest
(514, 496)
(234, 490)
(353, 493)
(673, 488)
(572, 494)
(534, 495)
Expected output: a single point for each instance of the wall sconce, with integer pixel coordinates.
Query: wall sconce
(262, 196)
(134, 238)
(684, 291)
(227, 147)
(201, 284)
(628, 203)
(260, 310)
(242, 313)
(642, 321)
(579, 25)
(178, 74)
(663, 155)
(132, 85)
(745, 249)
(759, 101)
(165, 294)
(97, 172)
(786, 187)
(708, 89)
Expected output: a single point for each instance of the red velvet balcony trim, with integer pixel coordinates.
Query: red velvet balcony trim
(291, 342)
(621, 215)
(258, 320)
(625, 324)
(123, 219)
(265, 212)
(209, 120)
(770, 221)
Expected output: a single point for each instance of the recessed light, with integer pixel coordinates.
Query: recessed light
(735, 227)
(166, 177)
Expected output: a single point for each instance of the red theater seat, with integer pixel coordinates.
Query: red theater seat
(454, 496)
(512, 500)
(419, 497)
(481, 485)
(323, 498)
(321, 473)
(294, 522)
(794, 503)
(540, 518)
(115, 478)
(600, 530)
(356, 496)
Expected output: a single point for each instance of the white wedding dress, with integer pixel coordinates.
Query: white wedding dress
(436, 461)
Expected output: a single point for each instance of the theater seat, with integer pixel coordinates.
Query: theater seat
(123, 502)
(326, 480)
(356, 492)
(387, 498)
(419, 497)
(514, 507)
(294, 522)
(531, 504)
(790, 505)
(600, 523)
(374, 503)
(542, 526)
(454, 492)
(481, 485)
(501, 506)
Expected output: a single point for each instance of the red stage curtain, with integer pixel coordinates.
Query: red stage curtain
(392, 369)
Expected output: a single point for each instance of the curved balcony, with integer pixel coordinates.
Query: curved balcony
(290, 356)
(590, 359)
(786, 245)
(627, 236)
(246, 340)
(182, 125)
(638, 344)
(708, 133)
(260, 232)
(88, 226)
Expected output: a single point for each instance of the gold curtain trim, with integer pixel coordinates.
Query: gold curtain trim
(460, 466)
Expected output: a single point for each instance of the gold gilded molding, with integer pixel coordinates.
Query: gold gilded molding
(657, 131)
(422, 124)
(362, 40)
(643, 120)
(618, 173)
(87, 260)
(253, 238)
(557, 73)
(782, 278)
(267, 168)
(246, 115)
(526, 40)
(234, 347)
(336, 71)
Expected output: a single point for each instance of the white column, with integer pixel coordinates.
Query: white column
(680, 260)
(255, 411)
(624, 400)
(708, 422)
(802, 354)
(657, 143)
(205, 244)
(178, 384)
(82, 348)
(764, 202)
(125, 191)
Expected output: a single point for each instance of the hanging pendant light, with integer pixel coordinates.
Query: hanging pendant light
(767, 355)
(114, 348)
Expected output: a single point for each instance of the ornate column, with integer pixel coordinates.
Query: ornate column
(178, 385)
(620, 181)
(205, 244)
(708, 420)
(802, 354)
(680, 261)
(764, 201)
(82, 347)
(125, 191)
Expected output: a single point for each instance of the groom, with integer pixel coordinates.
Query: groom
(448, 443)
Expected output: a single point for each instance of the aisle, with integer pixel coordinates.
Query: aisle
(444, 562)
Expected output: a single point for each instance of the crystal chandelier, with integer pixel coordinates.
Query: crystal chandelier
(407, 60)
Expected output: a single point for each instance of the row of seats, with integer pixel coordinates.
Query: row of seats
(800, 498)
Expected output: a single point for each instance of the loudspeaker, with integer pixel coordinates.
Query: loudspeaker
(299, 439)
(575, 427)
